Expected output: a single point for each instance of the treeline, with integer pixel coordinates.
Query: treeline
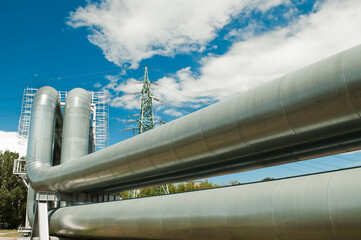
(177, 188)
(172, 188)
(12, 193)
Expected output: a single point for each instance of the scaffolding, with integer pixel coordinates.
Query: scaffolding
(100, 101)
(100, 116)
(24, 120)
(62, 97)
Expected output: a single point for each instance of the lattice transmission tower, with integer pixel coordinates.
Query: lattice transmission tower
(146, 120)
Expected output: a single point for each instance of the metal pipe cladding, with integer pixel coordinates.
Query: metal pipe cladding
(76, 125)
(321, 206)
(312, 112)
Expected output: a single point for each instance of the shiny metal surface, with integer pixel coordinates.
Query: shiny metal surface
(321, 206)
(75, 141)
(44, 113)
(309, 113)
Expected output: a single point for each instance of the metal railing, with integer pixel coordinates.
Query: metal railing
(19, 169)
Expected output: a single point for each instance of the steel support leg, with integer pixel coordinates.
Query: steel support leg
(27, 224)
(43, 220)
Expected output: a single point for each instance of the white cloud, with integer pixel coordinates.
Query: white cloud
(97, 85)
(126, 101)
(173, 113)
(354, 164)
(10, 141)
(129, 31)
(168, 91)
(334, 27)
(124, 94)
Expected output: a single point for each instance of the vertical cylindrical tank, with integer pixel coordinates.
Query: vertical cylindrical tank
(75, 141)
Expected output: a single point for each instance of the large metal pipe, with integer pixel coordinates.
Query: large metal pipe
(41, 138)
(321, 206)
(312, 112)
(75, 137)
(76, 125)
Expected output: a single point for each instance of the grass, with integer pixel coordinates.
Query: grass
(8, 233)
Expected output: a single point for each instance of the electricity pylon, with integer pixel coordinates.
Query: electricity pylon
(146, 120)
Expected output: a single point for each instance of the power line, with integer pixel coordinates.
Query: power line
(6, 109)
(165, 74)
(63, 77)
(11, 114)
(74, 76)
(10, 98)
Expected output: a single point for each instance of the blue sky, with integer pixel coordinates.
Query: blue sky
(202, 52)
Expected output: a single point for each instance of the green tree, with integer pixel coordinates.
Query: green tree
(233, 182)
(207, 184)
(190, 186)
(181, 187)
(124, 195)
(267, 179)
(148, 191)
(12, 193)
(172, 188)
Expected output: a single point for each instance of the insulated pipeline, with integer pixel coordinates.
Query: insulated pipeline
(76, 125)
(312, 112)
(320, 206)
